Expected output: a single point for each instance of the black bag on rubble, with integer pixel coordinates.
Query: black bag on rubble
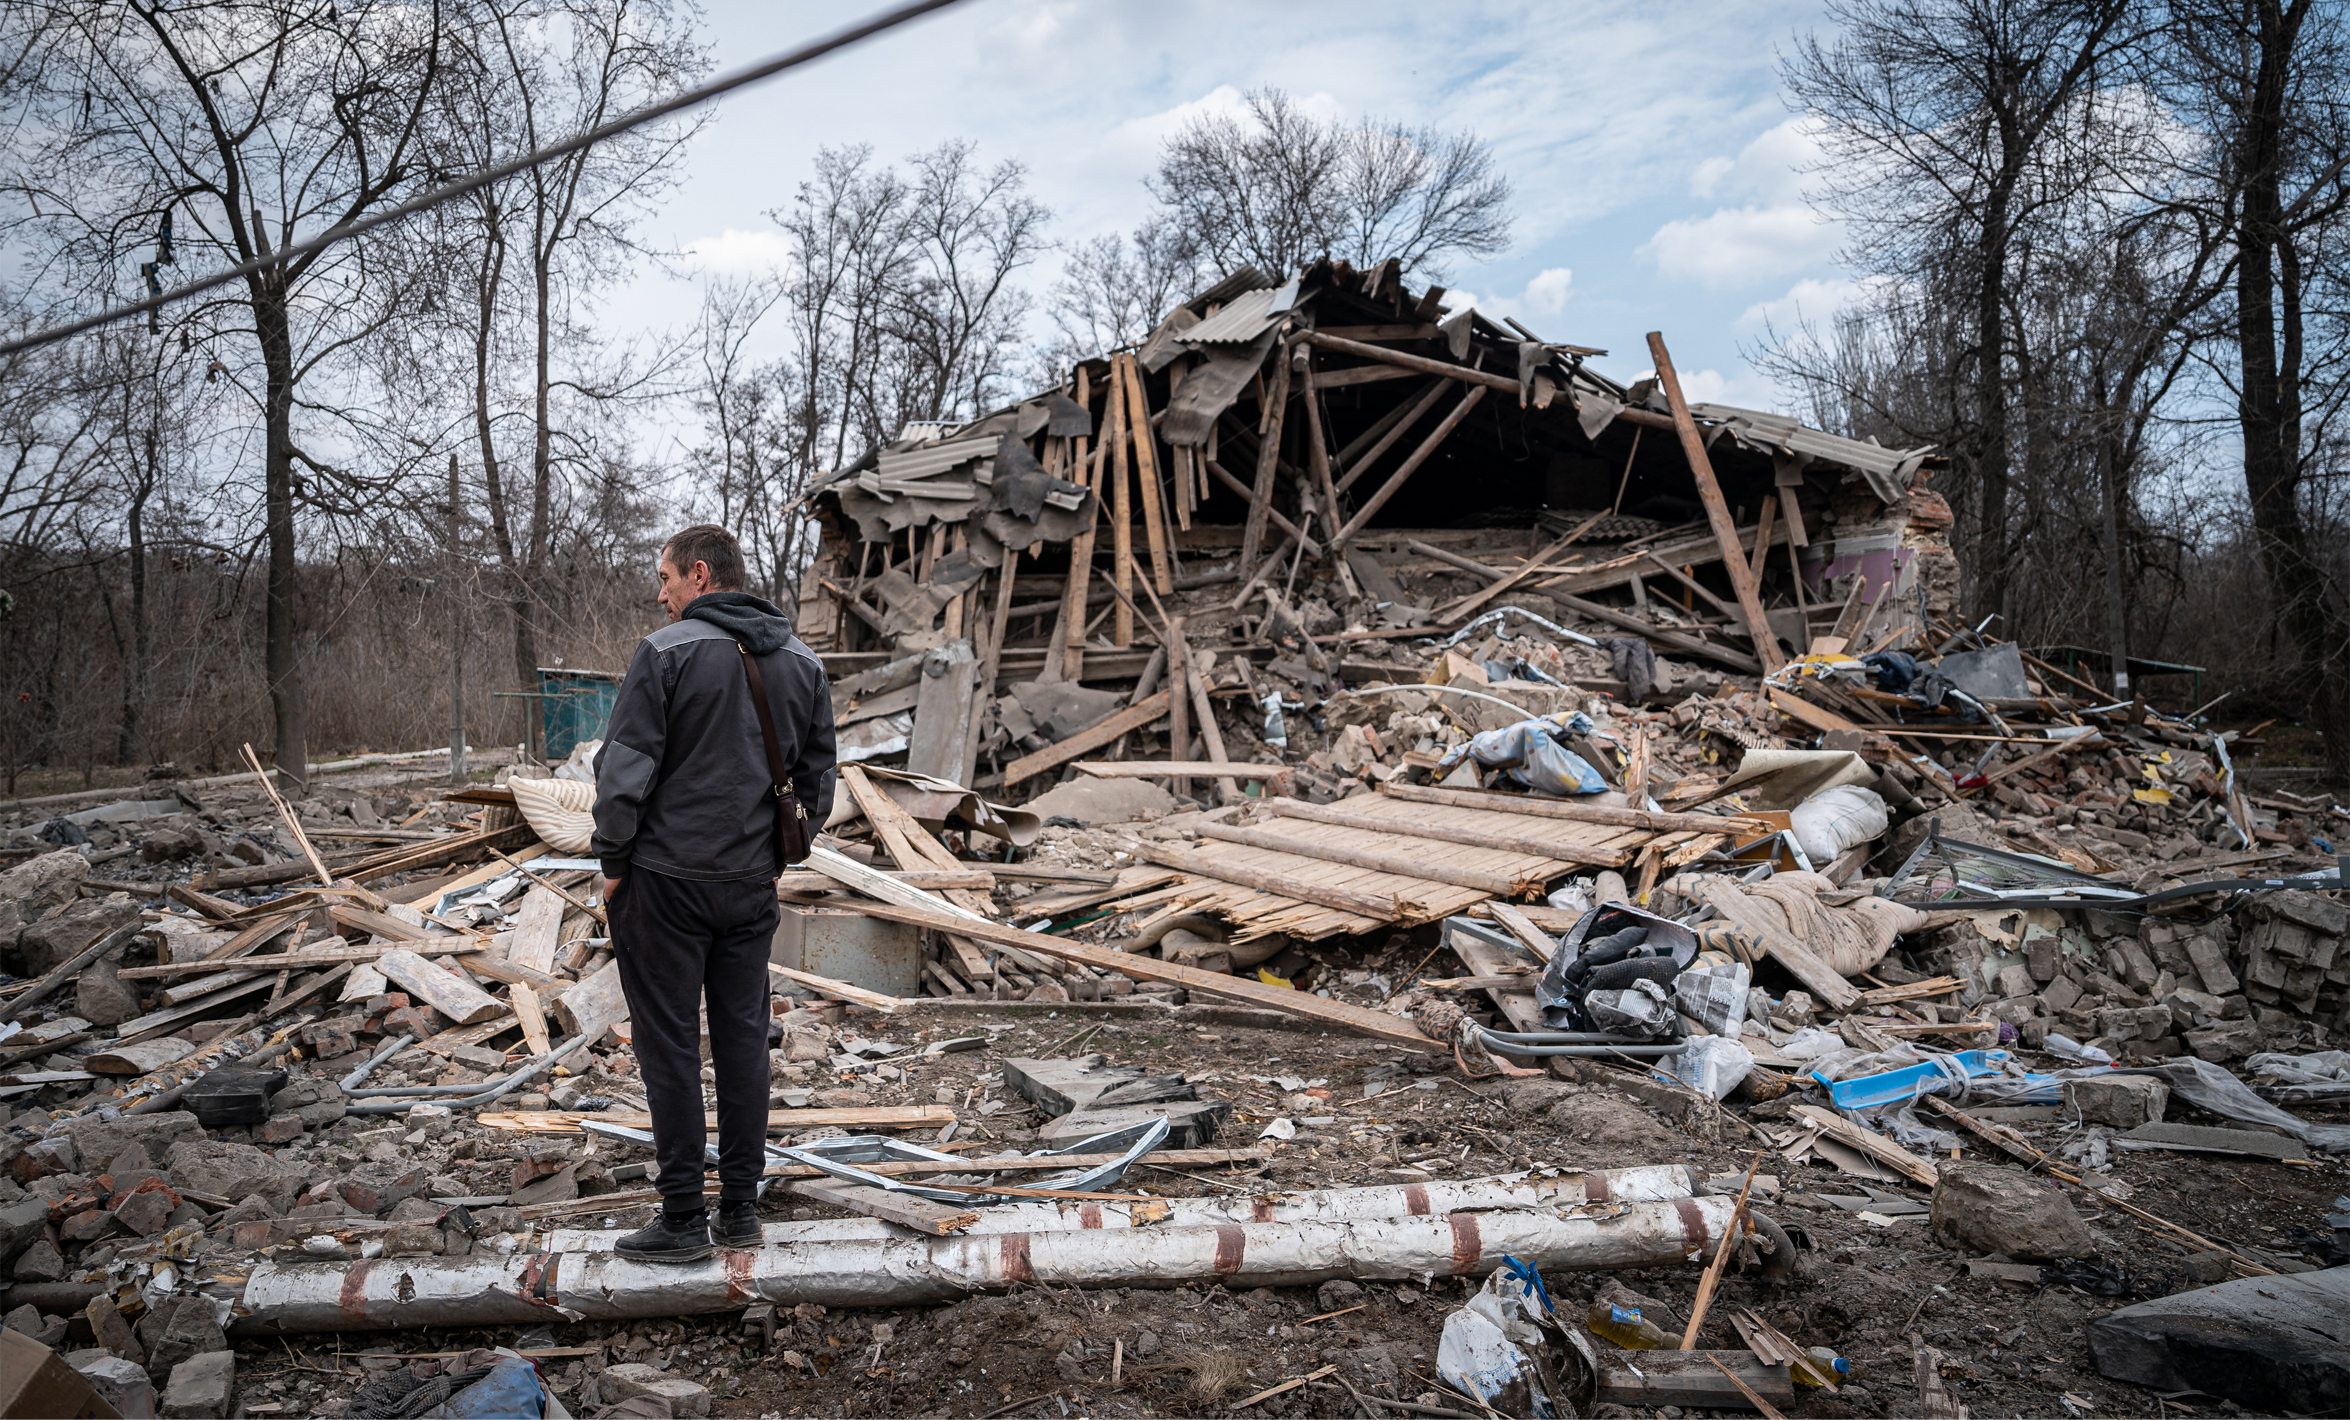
(1609, 948)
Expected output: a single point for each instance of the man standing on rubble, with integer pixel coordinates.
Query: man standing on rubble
(722, 711)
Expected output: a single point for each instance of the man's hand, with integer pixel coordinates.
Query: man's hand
(611, 886)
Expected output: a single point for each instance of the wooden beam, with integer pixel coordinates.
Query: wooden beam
(1360, 1019)
(1478, 837)
(1133, 717)
(1273, 515)
(1453, 611)
(1146, 468)
(1121, 521)
(1653, 822)
(855, 995)
(1260, 503)
(1678, 640)
(905, 1209)
(1398, 422)
(1717, 510)
(1317, 448)
(1395, 480)
(534, 1021)
(1076, 591)
(535, 925)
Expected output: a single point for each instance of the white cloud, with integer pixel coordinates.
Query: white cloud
(1734, 246)
(1545, 295)
(734, 253)
(1810, 300)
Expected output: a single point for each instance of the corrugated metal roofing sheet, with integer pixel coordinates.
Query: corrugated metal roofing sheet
(1887, 470)
(1245, 318)
(935, 458)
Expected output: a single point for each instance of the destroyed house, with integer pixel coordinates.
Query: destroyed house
(1388, 433)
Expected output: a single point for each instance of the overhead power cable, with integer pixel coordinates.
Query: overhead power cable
(690, 98)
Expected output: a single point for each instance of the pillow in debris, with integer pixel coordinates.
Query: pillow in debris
(560, 811)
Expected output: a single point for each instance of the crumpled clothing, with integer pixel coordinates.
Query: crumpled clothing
(1853, 936)
(1532, 753)
(1634, 662)
(1894, 670)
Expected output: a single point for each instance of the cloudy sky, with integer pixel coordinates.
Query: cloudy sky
(1658, 172)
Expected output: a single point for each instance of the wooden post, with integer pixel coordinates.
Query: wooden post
(1396, 479)
(1252, 537)
(1317, 449)
(1121, 517)
(1068, 638)
(1762, 536)
(1178, 702)
(1717, 512)
(1146, 470)
(993, 665)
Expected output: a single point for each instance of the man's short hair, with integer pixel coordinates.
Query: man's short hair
(711, 545)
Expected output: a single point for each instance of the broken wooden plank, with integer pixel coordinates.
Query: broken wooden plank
(976, 877)
(1717, 510)
(1402, 865)
(1260, 503)
(1478, 837)
(1360, 1019)
(1146, 471)
(1875, 1145)
(1382, 907)
(534, 1021)
(535, 925)
(905, 1209)
(1102, 732)
(856, 995)
(779, 1121)
(438, 987)
(1650, 1380)
(591, 1007)
(1679, 640)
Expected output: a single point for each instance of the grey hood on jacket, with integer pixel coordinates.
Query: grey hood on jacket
(682, 783)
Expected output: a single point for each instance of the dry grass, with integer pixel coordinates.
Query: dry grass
(1214, 1374)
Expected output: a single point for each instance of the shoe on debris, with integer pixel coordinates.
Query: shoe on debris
(669, 1239)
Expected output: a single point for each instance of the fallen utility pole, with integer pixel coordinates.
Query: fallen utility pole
(493, 1290)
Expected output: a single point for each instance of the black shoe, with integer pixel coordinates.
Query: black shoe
(737, 1226)
(668, 1239)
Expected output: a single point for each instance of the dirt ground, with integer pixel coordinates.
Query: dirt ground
(1861, 1289)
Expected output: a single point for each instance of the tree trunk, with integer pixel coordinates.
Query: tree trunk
(134, 684)
(2268, 409)
(1991, 461)
(2109, 457)
(453, 578)
(286, 696)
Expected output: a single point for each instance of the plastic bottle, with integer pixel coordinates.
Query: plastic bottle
(2071, 1049)
(1626, 1327)
(1834, 1366)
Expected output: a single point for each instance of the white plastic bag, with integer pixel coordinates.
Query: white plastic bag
(1835, 819)
(1713, 1065)
(1494, 1348)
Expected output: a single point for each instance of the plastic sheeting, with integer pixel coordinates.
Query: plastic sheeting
(1784, 778)
(1533, 753)
(1502, 1347)
(1713, 1065)
(2305, 1079)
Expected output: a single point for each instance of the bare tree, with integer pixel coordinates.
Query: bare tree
(1274, 187)
(535, 248)
(220, 133)
(2267, 82)
(1111, 292)
(1944, 125)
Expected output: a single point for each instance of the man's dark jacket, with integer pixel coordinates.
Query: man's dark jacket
(682, 780)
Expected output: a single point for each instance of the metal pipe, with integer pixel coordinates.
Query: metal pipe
(1645, 1183)
(1522, 1045)
(492, 1290)
(503, 1088)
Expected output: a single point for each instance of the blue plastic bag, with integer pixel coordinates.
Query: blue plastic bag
(1534, 753)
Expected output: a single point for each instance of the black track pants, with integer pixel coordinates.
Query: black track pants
(680, 942)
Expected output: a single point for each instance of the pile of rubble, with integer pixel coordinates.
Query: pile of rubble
(1333, 937)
